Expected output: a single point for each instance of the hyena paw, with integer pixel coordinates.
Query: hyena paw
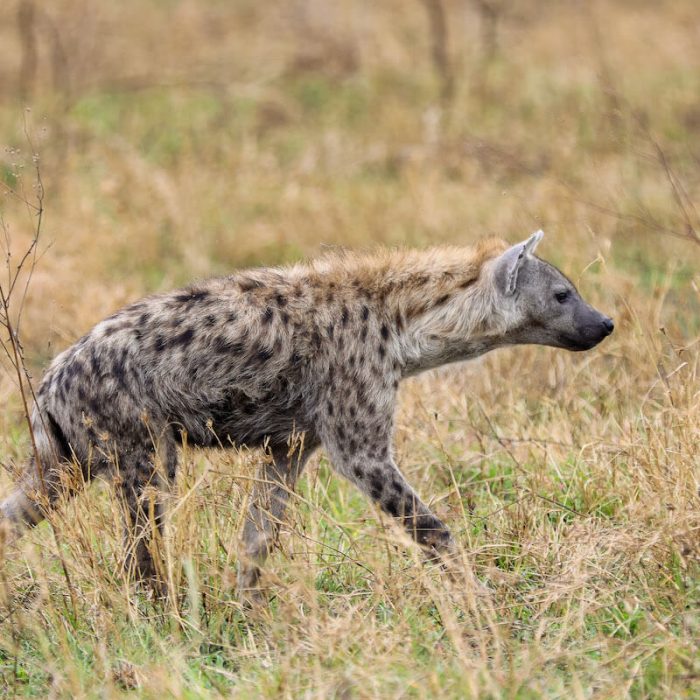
(250, 594)
(446, 554)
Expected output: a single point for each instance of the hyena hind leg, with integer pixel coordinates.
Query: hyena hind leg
(275, 482)
(142, 484)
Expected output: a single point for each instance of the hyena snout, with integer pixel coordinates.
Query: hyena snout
(592, 328)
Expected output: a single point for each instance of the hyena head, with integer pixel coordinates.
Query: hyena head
(542, 305)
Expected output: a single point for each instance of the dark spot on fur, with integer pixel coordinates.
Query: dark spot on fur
(247, 284)
(363, 335)
(357, 472)
(384, 331)
(119, 371)
(330, 328)
(192, 296)
(74, 369)
(330, 408)
(95, 362)
(231, 317)
(95, 407)
(267, 316)
(408, 505)
(441, 300)
(376, 486)
(183, 339)
(264, 354)
(248, 407)
(365, 312)
(467, 283)
(285, 317)
(392, 506)
(399, 321)
(280, 299)
(316, 338)
(224, 346)
(159, 343)
(382, 350)
(210, 320)
(345, 317)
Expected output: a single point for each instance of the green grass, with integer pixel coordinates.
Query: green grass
(221, 139)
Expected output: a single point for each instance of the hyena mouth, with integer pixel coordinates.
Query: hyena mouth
(579, 344)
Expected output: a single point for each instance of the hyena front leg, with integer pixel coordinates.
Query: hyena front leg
(275, 482)
(143, 479)
(363, 455)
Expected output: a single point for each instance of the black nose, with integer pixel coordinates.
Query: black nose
(608, 325)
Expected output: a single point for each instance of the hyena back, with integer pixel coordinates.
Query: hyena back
(251, 359)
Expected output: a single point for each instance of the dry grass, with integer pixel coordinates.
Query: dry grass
(185, 139)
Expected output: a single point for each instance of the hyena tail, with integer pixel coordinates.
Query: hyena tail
(39, 482)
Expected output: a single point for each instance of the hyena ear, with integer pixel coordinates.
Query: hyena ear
(510, 262)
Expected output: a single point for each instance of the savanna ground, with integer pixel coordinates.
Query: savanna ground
(184, 139)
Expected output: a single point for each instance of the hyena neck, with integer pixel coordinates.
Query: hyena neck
(457, 317)
(457, 333)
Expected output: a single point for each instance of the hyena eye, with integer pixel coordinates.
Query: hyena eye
(561, 297)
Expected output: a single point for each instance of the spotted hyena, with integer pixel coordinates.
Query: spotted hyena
(317, 349)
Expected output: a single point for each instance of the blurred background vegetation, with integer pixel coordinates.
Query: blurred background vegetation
(184, 138)
(187, 138)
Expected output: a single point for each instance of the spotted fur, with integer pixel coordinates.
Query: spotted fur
(316, 349)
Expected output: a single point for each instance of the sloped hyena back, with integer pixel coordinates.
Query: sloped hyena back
(250, 359)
